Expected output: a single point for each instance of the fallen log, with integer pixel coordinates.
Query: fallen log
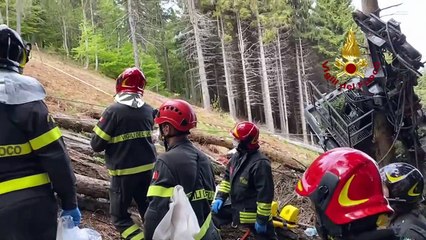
(92, 204)
(84, 165)
(197, 136)
(74, 124)
(92, 187)
(93, 193)
(202, 138)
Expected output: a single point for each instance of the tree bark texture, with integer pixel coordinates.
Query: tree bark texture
(133, 33)
(301, 101)
(267, 107)
(19, 9)
(284, 124)
(243, 63)
(200, 56)
(228, 81)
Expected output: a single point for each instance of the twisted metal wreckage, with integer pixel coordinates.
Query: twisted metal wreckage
(345, 118)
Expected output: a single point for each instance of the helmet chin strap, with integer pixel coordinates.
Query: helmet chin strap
(164, 138)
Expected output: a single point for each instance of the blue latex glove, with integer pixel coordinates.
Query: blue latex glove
(74, 213)
(260, 228)
(216, 205)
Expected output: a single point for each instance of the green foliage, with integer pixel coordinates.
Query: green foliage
(114, 61)
(328, 24)
(269, 35)
(153, 72)
(420, 89)
(57, 24)
(216, 104)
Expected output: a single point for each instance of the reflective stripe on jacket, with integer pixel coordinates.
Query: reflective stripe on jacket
(248, 181)
(178, 166)
(33, 154)
(125, 135)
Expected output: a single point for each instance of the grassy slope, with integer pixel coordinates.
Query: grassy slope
(61, 85)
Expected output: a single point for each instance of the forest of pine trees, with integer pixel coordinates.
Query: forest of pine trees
(250, 58)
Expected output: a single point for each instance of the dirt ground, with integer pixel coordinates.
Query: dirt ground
(67, 94)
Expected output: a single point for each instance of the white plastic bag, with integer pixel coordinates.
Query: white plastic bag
(67, 231)
(180, 222)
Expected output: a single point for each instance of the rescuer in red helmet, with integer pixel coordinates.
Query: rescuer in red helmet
(182, 164)
(124, 132)
(248, 182)
(345, 188)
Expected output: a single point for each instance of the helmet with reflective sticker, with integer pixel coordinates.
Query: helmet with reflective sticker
(247, 133)
(14, 52)
(131, 80)
(404, 182)
(344, 184)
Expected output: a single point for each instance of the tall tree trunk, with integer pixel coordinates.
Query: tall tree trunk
(96, 44)
(133, 33)
(383, 132)
(7, 12)
(65, 36)
(301, 102)
(19, 9)
(305, 86)
(165, 53)
(284, 123)
(1, 18)
(201, 66)
(83, 8)
(187, 87)
(369, 6)
(243, 63)
(193, 88)
(166, 63)
(280, 96)
(228, 81)
(266, 94)
(164, 49)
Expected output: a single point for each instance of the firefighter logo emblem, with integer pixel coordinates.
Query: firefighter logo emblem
(352, 63)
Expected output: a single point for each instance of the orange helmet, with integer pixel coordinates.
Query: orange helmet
(344, 184)
(247, 133)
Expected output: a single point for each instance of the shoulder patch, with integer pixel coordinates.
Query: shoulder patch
(155, 175)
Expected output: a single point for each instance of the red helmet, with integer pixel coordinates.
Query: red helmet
(345, 185)
(247, 133)
(178, 113)
(131, 80)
